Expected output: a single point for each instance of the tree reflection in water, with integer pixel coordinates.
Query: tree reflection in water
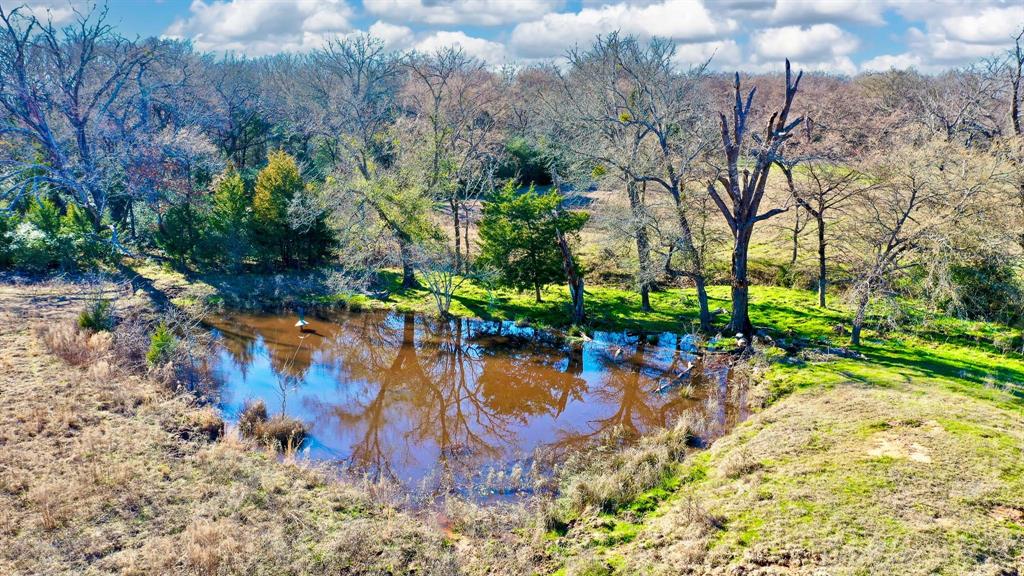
(423, 400)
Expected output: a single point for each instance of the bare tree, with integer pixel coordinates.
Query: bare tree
(239, 126)
(351, 90)
(62, 90)
(822, 189)
(886, 231)
(441, 273)
(745, 189)
(670, 106)
(456, 100)
(928, 204)
(621, 112)
(963, 104)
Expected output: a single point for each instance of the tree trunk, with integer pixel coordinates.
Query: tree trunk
(454, 204)
(822, 279)
(696, 265)
(408, 270)
(536, 291)
(465, 236)
(574, 278)
(858, 319)
(702, 303)
(796, 246)
(740, 322)
(643, 245)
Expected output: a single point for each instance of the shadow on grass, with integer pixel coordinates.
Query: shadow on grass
(929, 365)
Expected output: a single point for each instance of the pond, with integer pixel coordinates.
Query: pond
(454, 404)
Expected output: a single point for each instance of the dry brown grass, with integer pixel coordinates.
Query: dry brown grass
(612, 476)
(72, 344)
(104, 471)
(282, 433)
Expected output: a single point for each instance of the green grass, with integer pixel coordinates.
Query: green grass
(905, 460)
(609, 307)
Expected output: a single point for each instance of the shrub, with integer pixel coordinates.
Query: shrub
(161, 345)
(986, 288)
(8, 223)
(97, 317)
(207, 423)
(182, 231)
(281, 199)
(253, 415)
(43, 239)
(519, 234)
(73, 345)
(282, 432)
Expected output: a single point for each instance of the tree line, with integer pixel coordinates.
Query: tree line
(364, 158)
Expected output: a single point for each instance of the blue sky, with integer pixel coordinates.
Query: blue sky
(842, 36)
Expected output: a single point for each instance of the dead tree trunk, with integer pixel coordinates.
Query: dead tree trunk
(745, 189)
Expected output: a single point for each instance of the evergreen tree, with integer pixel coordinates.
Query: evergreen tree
(277, 183)
(230, 219)
(519, 237)
(279, 189)
(183, 228)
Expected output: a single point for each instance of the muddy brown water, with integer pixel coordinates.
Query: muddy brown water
(464, 404)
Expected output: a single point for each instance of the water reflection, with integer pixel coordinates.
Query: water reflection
(428, 401)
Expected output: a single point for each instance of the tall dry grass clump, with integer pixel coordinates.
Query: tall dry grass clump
(611, 477)
(212, 548)
(282, 432)
(73, 345)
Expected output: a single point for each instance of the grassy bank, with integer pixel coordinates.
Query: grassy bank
(853, 478)
(908, 459)
(608, 307)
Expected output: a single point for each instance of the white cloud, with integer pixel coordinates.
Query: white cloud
(448, 12)
(486, 50)
(817, 43)
(817, 11)
(894, 61)
(754, 35)
(256, 27)
(394, 37)
(988, 26)
(952, 33)
(57, 11)
(683, 20)
(723, 53)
